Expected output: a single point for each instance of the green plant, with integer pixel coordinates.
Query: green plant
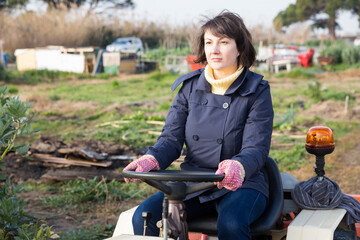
(13, 122)
(350, 55)
(13, 90)
(14, 222)
(95, 233)
(313, 43)
(12, 215)
(286, 122)
(314, 91)
(334, 51)
(160, 54)
(115, 84)
(35, 231)
(54, 97)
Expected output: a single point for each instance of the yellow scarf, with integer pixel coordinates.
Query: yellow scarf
(219, 86)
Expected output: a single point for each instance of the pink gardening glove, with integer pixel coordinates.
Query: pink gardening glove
(234, 174)
(145, 163)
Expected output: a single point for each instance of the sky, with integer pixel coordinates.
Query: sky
(253, 12)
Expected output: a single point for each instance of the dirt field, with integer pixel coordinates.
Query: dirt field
(343, 165)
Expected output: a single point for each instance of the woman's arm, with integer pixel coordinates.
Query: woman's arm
(257, 133)
(170, 142)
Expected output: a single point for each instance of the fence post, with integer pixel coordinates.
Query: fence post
(2, 60)
(346, 104)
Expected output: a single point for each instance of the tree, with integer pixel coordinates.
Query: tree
(304, 10)
(354, 7)
(115, 4)
(59, 4)
(9, 4)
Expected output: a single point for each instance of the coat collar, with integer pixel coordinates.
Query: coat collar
(245, 84)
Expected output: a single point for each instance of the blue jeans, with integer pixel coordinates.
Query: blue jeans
(236, 211)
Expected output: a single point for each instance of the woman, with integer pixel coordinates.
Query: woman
(224, 115)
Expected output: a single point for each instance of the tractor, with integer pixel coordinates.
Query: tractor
(283, 217)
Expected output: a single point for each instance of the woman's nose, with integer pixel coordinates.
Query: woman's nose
(215, 48)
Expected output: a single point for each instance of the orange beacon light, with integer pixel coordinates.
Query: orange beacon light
(320, 141)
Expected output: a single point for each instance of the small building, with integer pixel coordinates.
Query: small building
(56, 58)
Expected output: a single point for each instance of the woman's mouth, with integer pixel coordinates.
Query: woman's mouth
(216, 59)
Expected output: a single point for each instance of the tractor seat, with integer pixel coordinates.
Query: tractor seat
(267, 221)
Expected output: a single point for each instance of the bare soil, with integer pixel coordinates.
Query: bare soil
(86, 215)
(343, 165)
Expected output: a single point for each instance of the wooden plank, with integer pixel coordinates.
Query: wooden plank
(77, 162)
(73, 174)
(65, 150)
(90, 155)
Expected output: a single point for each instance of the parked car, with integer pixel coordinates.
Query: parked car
(128, 43)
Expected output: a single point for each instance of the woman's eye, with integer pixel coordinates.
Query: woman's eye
(224, 42)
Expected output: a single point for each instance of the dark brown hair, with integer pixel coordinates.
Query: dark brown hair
(230, 25)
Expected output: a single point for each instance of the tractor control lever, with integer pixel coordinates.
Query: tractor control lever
(146, 216)
(165, 214)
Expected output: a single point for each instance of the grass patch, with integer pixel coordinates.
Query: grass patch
(96, 232)
(30, 186)
(135, 130)
(345, 66)
(291, 158)
(296, 73)
(33, 77)
(152, 88)
(282, 100)
(137, 133)
(73, 193)
(341, 128)
(318, 93)
(63, 125)
(13, 89)
(337, 96)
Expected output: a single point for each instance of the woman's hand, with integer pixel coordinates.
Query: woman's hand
(145, 163)
(234, 174)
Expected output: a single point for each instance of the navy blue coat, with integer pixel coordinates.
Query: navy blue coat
(236, 125)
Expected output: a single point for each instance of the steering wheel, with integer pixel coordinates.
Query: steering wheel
(172, 182)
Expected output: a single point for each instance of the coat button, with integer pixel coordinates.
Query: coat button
(195, 137)
(204, 101)
(225, 105)
(219, 141)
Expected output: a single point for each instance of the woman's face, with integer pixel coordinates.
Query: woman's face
(221, 54)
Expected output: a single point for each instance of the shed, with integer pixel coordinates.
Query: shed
(55, 58)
